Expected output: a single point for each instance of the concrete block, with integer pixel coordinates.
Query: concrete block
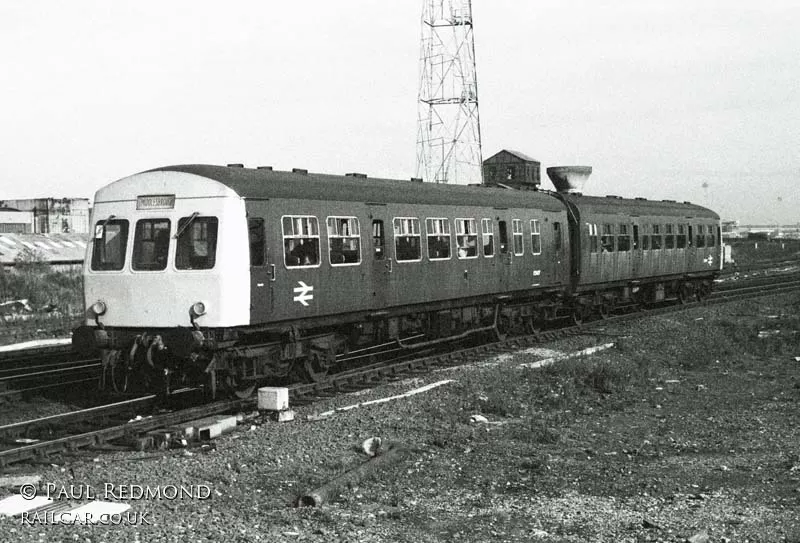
(286, 415)
(212, 427)
(273, 398)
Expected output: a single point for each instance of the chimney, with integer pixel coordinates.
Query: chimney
(569, 179)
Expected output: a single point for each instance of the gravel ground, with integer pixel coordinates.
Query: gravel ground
(688, 427)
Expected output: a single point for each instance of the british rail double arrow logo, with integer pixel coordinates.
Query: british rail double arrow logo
(303, 293)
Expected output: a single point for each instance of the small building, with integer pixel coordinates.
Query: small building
(54, 215)
(512, 168)
(14, 221)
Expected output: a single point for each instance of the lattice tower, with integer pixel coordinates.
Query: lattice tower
(448, 133)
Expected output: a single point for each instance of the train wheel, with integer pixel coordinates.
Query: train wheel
(604, 309)
(578, 314)
(685, 293)
(703, 291)
(239, 388)
(316, 366)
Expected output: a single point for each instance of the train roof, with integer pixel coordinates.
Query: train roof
(639, 206)
(263, 183)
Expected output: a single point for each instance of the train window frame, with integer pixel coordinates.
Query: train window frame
(623, 238)
(438, 227)
(607, 238)
(656, 240)
(256, 238)
(487, 232)
(536, 237)
(289, 247)
(101, 229)
(594, 240)
(189, 226)
(700, 236)
(669, 236)
(645, 237)
(710, 237)
(466, 238)
(378, 239)
(517, 237)
(680, 238)
(351, 220)
(404, 233)
(143, 235)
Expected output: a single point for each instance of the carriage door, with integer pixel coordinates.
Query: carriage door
(637, 253)
(381, 260)
(262, 272)
(504, 253)
(558, 249)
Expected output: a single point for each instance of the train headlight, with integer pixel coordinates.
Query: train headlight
(99, 308)
(198, 309)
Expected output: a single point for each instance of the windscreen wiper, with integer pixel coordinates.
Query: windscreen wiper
(189, 221)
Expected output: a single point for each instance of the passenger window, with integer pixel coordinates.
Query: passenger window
(645, 237)
(344, 241)
(623, 239)
(669, 236)
(681, 238)
(197, 243)
(593, 239)
(655, 241)
(255, 235)
(701, 238)
(378, 240)
(438, 231)
(466, 238)
(150, 245)
(557, 236)
(488, 237)
(536, 237)
(516, 226)
(407, 239)
(503, 237)
(110, 244)
(300, 241)
(607, 240)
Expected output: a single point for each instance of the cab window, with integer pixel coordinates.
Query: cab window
(197, 243)
(110, 244)
(344, 241)
(300, 241)
(150, 245)
(701, 238)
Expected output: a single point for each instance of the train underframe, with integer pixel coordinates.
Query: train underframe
(234, 361)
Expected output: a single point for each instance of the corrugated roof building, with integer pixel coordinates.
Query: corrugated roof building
(61, 251)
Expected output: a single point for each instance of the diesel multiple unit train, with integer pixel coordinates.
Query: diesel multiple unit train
(228, 276)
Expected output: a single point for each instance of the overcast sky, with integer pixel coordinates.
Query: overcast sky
(659, 97)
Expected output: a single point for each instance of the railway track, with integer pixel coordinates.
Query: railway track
(37, 439)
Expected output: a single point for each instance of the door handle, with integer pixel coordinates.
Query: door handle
(271, 272)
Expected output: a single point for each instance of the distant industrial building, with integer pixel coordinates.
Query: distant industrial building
(512, 168)
(45, 216)
(14, 221)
